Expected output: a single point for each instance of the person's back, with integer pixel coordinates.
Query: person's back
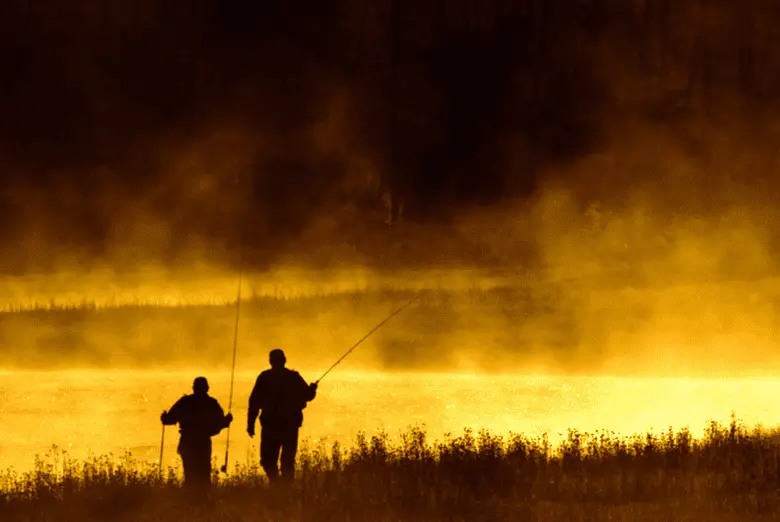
(199, 417)
(281, 394)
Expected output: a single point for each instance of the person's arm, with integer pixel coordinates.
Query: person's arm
(221, 421)
(308, 391)
(173, 415)
(255, 405)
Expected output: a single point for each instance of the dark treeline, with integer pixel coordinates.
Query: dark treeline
(457, 104)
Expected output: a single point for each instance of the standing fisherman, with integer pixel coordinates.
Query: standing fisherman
(200, 417)
(282, 395)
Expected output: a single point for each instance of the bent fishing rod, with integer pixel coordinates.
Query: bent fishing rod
(235, 344)
(233, 369)
(377, 327)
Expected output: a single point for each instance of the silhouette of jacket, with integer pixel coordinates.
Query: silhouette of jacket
(199, 416)
(281, 394)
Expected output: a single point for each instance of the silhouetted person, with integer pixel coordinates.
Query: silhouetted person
(282, 395)
(200, 417)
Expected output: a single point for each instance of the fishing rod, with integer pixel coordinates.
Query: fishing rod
(233, 369)
(241, 258)
(377, 327)
(162, 445)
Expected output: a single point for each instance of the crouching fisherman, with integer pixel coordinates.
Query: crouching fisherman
(200, 417)
(282, 395)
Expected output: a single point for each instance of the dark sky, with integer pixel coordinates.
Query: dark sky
(452, 104)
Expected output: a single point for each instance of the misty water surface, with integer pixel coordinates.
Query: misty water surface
(101, 412)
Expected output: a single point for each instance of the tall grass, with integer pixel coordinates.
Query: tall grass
(731, 473)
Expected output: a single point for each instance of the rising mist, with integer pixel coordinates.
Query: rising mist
(175, 134)
(614, 158)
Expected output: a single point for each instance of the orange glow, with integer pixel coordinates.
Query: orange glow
(97, 412)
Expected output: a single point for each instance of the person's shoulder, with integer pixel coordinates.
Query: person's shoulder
(186, 399)
(212, 400)
(292, 374)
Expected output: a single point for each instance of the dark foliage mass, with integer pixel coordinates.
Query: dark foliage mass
(457, 105)
(730, 474)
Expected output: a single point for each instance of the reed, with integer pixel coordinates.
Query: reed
(731, 473)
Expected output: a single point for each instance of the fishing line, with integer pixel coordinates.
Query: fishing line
(377, 327)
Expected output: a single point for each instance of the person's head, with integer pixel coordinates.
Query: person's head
(277, 358)
(200, 386)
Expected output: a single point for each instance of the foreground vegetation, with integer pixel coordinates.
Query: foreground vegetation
(730, 474)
